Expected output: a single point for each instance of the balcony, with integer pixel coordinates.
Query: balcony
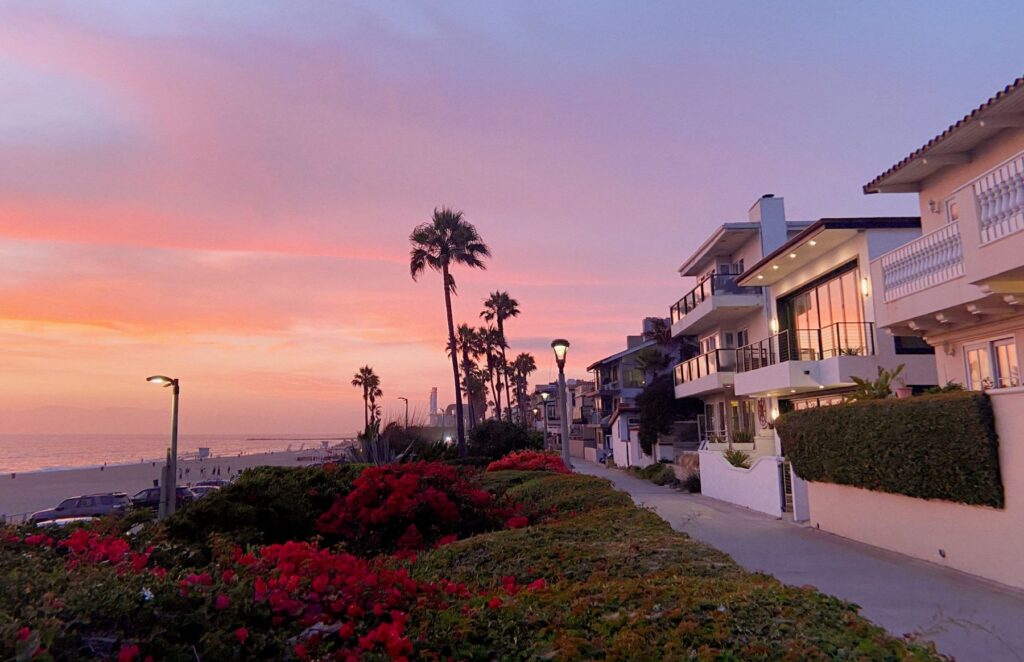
(930, 260)
(715, 299)
(706, 373)
(1000, 201)
(797, 360)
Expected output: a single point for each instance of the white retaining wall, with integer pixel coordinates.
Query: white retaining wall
(757, 488)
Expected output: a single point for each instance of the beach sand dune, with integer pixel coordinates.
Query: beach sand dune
(28, 492)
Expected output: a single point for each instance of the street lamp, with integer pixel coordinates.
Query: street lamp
(561, 348)
(169, 484)
(406, 401)
(544, 395)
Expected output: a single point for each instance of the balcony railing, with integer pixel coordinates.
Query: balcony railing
(930, 260)
(839, 339)
(713, 362)
(1000, 199)
(707, 287)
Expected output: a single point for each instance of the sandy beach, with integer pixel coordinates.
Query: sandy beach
(28, 492)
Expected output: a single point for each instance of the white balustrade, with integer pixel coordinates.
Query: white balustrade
(935, 258)
(1000, 198)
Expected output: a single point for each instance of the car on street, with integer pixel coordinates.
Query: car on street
(87, 505)
(202, 490)
(150, 497)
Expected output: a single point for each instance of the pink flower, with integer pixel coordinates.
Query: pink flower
(494, 603)
(128, 653)
(222, 602)
(538, 585)
(241, 634)
(23, 633)
(517, 522)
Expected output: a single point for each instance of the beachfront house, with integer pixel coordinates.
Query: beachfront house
(784, 318)
(960, 288)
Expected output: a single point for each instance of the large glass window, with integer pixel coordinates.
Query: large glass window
(827, 318)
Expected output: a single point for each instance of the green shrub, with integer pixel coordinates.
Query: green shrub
(931, 447)
(737, 458)
(567, 493)
(692, 483)
(493, 439)
(622, 585)
(658, 473)
(264, 505)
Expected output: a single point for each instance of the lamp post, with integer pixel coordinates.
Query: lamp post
(169, 484)
(561, 348)
(544, 395)
(406, 401)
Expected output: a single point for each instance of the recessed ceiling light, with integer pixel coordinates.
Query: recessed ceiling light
(792, 255)
(813, 243)
(775, 266)
(792, 390)
(760, 276)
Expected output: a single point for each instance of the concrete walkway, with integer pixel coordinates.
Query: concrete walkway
(968, 618)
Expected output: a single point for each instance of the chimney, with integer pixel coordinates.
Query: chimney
(770, 212)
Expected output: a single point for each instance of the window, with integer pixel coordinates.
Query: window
(952, 211)
(992, 364)
(742, 338)
(834, 305)
(912, 345)
(708, 344)
(634, 378)
(737, 266)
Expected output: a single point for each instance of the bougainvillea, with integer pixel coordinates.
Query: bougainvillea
(529, 461)
(408, 507)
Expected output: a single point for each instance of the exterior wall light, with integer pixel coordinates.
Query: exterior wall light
(865, 286)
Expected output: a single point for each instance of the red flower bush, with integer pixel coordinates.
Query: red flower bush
(529, 461)
(408, 507)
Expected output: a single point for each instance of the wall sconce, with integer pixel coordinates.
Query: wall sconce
(775, 413)
(774, 326)
(933, 207)
(865, 286)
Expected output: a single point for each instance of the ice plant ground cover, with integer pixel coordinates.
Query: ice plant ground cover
(502, 565)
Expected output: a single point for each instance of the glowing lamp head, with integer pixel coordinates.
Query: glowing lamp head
(774, 326)
(544, 395)
(865, 287)
(561, 348)
(161, 380)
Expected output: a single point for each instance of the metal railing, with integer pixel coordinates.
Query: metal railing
(710, 363)
(839, 339)
(929, 260)
(708, 286)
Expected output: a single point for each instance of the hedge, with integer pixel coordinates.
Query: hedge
(940, 446)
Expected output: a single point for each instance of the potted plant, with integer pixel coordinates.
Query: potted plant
(901, 389)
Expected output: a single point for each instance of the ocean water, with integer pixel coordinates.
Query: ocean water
(44, 452)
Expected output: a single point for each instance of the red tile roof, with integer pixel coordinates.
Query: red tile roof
(872, 186)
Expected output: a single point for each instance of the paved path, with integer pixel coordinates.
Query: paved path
(968, 618)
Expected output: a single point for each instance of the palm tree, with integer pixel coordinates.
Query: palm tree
(468, 344)
(497, 308)
(522, 366)
(491, 341)
(447, 239)
(368, 380)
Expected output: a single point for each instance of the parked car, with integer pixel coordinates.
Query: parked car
(64, 521)
(202, 490)
(87, 505)
(150, 497)
(214, 482)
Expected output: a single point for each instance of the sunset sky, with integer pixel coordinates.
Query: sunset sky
(223, 192)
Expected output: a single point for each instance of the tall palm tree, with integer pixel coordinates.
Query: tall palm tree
(522, 366)
(497, 308)
(366, 379)
(444, 241)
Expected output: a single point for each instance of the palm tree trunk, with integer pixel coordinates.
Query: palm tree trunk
(469, 394)
(366, 409)
(460, 426)
(504, 368)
